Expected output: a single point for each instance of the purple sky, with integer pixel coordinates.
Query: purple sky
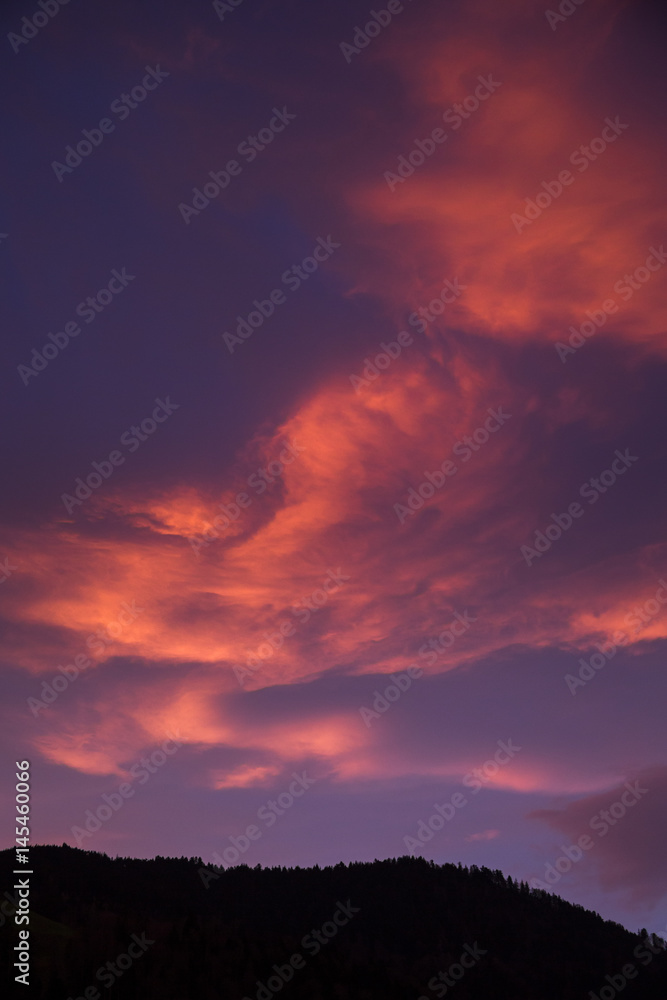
(385, 398)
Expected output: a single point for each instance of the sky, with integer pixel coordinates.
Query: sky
(334, 393)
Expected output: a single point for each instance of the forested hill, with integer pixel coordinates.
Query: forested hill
(171, 929)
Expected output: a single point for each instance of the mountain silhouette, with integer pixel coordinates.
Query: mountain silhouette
(176, 929)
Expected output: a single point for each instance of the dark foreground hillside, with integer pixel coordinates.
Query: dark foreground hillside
(406, 928)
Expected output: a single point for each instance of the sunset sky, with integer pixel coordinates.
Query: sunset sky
(397, 384)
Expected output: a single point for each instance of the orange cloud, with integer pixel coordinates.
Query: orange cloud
(333, 508)
(454, 214)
